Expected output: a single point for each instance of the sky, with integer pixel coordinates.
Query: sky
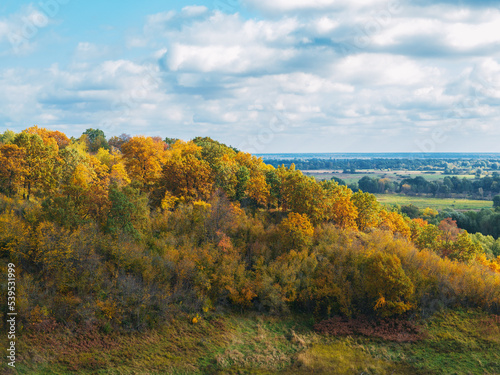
(264, 76)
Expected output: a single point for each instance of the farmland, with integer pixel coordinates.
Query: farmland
(435, 203)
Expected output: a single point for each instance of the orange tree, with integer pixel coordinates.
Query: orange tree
(144, 158)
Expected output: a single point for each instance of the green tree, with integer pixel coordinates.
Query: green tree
(496, 201)
(129, 211)
(96, 139)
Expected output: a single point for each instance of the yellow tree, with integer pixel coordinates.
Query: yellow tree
(258, 190)
(368, 209)
(184, 175)
(387, 284)
(395, 223)
(339, 206)
(88, 188)
(40, 162)
(118, 175)
(12, 167)
(295, 231)
(49, 136)
(289, 178)
(144, 158)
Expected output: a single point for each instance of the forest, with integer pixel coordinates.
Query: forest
(452, 172)
(121, 234)
(449, 165)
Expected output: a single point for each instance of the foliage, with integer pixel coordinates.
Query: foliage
(117, 239)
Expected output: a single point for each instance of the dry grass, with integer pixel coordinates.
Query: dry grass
(457, 342)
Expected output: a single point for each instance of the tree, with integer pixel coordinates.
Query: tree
(48, 135)
(258, 190)
(411, 211)
(368, 209)
(128, 212)
(464, 248)
(12, 167)
(187, 178)
(339, 207)
(389, 288)
(395, 223)
(496, 201)
(40, 163)
(96, 139)
(170, 141)
(338, 180)
(295, 231)
(7, 137)
(242, 176)
(449, 230)
(118, 175)
(118, 141)
(274, 183)
(368, 184)
(144, 159)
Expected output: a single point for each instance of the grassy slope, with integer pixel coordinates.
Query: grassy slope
(436, 203)
(456, 343)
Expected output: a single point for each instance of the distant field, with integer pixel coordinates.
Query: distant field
(393, 175)
(436, 203)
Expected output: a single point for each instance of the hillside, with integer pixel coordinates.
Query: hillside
(150, 255)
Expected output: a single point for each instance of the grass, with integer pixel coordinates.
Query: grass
(457, 342)
(435, 203)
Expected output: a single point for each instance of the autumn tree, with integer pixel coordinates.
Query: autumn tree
(295, 231)
(144, 159)
(395, 223)
(368, 209)
(185, 176)
(464, 248)
(59, 138)
(40, 162)
(12, 167)
(340, 208)
(118, 141)
(387, 285)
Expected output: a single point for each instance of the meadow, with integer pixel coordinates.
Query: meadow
(435, 203)
(453, 342)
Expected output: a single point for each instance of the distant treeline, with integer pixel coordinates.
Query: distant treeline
(449, 165)
(478, 188)
(485, 223)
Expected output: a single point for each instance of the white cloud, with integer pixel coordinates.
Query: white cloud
(203, 72)
(194, 10)
(316, 5)
(19, 30)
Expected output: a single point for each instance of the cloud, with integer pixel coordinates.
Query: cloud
(316, 75)
(280, 6)
(19, 30)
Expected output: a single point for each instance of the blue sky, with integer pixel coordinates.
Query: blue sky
(280, 76)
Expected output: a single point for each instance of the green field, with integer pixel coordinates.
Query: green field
(435, 203)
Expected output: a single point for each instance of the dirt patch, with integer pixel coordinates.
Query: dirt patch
(388, 329)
